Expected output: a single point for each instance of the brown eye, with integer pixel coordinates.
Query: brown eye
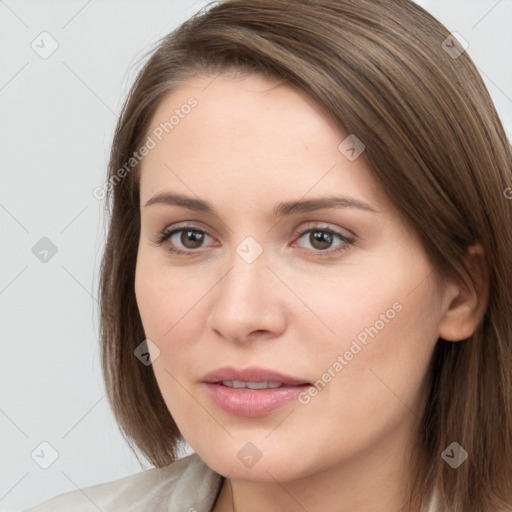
(321, 239)
(187, 238)
(191, 239)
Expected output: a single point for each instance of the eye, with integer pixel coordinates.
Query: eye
(189, 237)
(322, 238)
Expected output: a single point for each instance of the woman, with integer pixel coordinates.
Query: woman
(308, 272)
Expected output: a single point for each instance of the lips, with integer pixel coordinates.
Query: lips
(252, 391)
(252, 374)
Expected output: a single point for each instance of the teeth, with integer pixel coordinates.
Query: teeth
(251, 385)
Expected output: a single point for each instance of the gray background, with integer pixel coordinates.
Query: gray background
(58, 114)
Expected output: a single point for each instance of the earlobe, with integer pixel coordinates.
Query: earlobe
(466, 302)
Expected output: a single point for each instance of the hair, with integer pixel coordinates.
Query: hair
(435, 144)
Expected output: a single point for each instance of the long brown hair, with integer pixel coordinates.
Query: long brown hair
(391, 74)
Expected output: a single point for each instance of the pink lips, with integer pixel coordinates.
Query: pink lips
(252, 402)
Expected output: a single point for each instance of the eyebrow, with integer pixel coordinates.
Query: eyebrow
(283, 209)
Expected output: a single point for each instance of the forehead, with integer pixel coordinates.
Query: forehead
(253, 135)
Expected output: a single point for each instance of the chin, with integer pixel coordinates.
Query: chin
(268, 468)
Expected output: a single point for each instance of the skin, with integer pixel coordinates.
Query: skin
(249, 144)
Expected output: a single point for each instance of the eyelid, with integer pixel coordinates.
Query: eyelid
(323, 226)
(167, 233)
(196, 225)
(191, 225)
(347, 240)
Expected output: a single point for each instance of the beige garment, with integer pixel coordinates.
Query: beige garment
(187, 485)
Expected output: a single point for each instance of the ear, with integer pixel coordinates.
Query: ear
(466, 303)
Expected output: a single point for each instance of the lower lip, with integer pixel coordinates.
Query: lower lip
(250, 402)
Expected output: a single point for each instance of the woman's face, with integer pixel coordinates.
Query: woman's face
(273, 280)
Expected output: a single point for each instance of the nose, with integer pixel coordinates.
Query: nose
(248, 302)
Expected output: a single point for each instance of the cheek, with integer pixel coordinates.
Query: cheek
(352, 304)
(167, 299)
(380, 329)
(385, 354)
(173, 307)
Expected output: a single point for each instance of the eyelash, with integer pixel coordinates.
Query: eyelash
(348, 240)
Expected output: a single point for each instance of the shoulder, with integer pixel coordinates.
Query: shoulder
(187, 484)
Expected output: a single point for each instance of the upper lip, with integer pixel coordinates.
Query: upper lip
(251, 374)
